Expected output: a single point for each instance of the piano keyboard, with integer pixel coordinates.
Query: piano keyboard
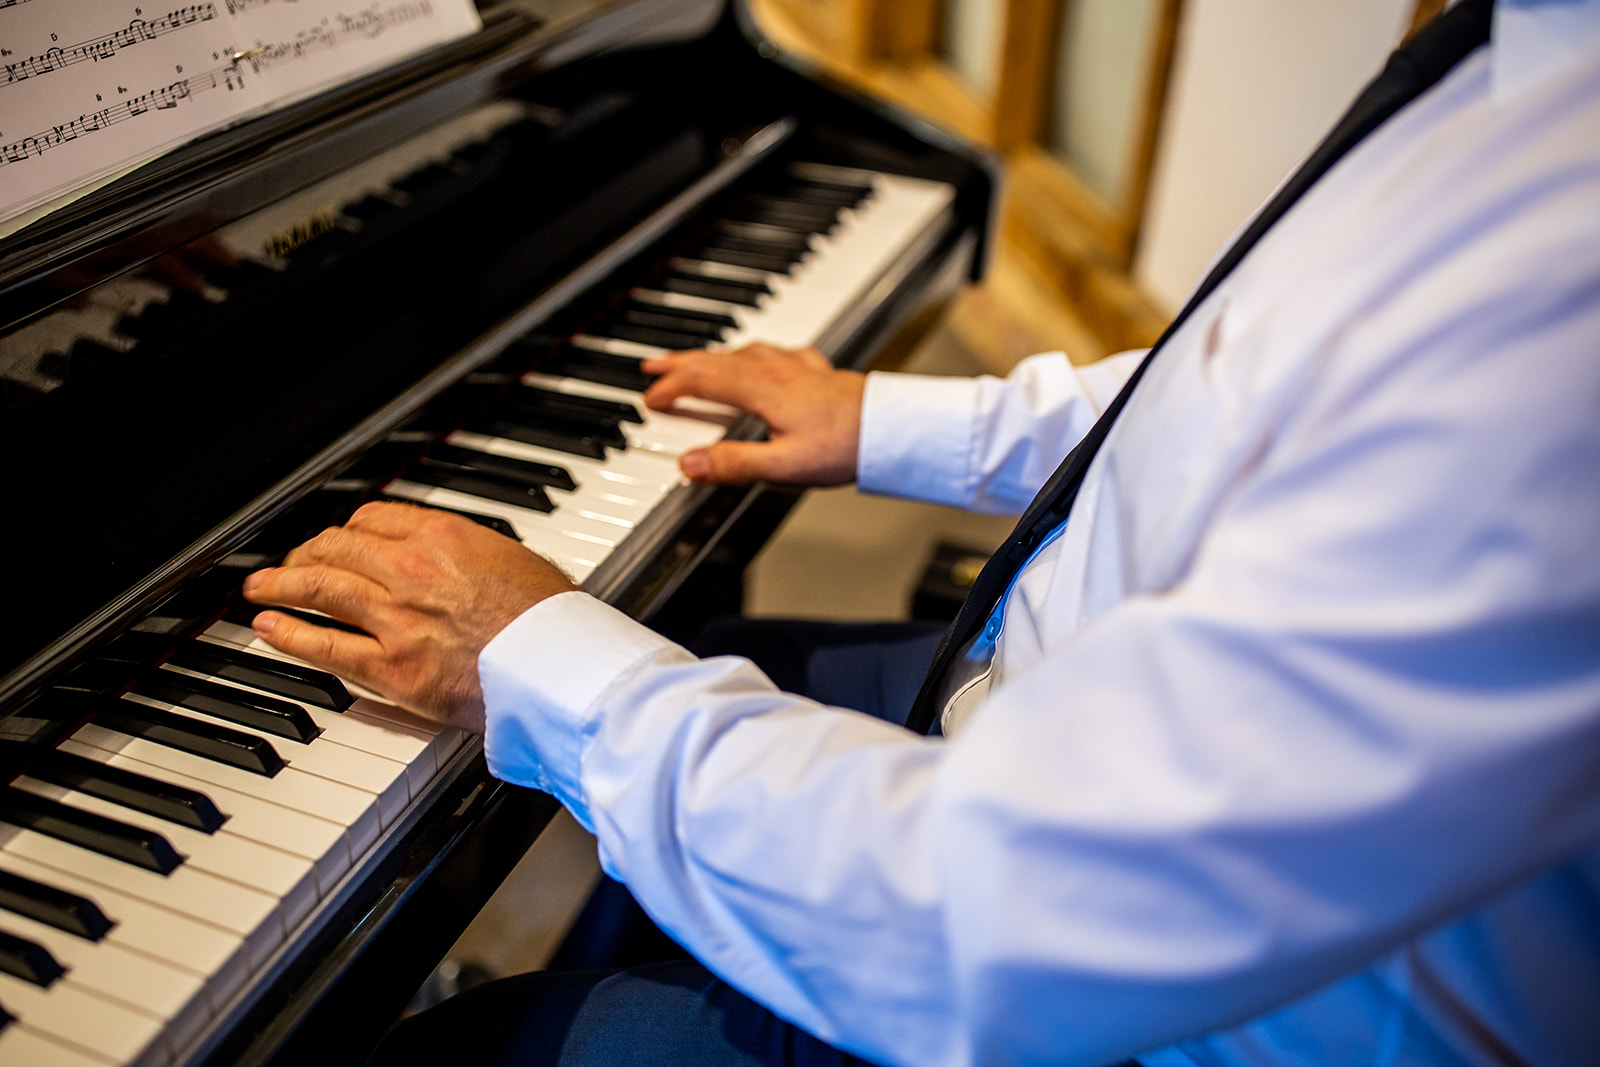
(170, 850)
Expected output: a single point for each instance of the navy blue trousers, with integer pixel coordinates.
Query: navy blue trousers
(621, 992)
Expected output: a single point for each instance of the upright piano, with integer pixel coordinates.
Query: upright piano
(433, 285)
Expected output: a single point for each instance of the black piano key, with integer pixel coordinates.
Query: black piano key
(671, 340)
(163, 800)
(522, 469)
(487, 484)
(710, 324)
(759, 236)
(525, 406)
(243, 613)
(727, 292)
(95, 677)
(802, 218)
(28, 960)
(590, 407)
(773, 264)
(493, 522)
(53, 907)
(369, 208)
(267, 714)
(157, 321)
(118, 840)
(788, 207)
(826, 193)
(574, 444)
(139, 648)
(210, 740)
(293, 680)
(40, 723)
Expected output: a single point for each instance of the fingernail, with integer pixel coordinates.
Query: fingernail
(251, 581)
(696, 464)
(263, 623)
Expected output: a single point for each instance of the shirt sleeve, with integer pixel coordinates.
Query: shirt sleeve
(1216, 797)
(985, 443)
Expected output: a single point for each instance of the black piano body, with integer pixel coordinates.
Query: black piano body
(398, 292)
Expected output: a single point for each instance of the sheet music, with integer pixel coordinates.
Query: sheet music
(90, 89)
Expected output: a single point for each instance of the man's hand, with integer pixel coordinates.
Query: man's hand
(430, 587)
(812, 410)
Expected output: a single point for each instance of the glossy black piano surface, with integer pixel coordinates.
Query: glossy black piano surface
(226, 351)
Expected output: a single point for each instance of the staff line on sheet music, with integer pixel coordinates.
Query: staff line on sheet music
(105, 47)
(368, 24)
(155, 100)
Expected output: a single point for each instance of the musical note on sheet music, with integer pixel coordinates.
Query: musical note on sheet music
(90, 88)
(107, 46)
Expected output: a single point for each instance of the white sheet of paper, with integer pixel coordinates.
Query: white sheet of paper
(89, 88)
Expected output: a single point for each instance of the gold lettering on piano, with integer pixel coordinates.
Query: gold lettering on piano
(287, 240)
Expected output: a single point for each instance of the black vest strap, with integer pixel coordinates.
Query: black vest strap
(1411, 71)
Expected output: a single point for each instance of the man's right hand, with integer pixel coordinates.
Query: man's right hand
(813, 412)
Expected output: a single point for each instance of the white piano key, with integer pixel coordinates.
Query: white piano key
(616, 346)
(250, 913)
(22, 1046)
(573, 537)
(354, 809)
(686, 302)
(160, 933)
(314, 839)
(846, 264)
(727, 272)
(176, 997)
(383, 778)
(289, 878)
(79, 1019)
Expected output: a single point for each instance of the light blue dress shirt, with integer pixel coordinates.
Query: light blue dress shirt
(1292, 752)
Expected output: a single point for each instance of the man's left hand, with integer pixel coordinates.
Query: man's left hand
(430, 587)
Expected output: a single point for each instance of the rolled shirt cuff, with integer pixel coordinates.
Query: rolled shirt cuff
(916, 437)
(543, 678)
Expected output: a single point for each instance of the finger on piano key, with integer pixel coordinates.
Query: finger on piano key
(312, 838)
(249, 913)
(355, 810)
(81, 1019)
(171, 994)
(385, 779)
(289, 878)
(199, 948)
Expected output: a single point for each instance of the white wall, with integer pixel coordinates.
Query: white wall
(1255, 85)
